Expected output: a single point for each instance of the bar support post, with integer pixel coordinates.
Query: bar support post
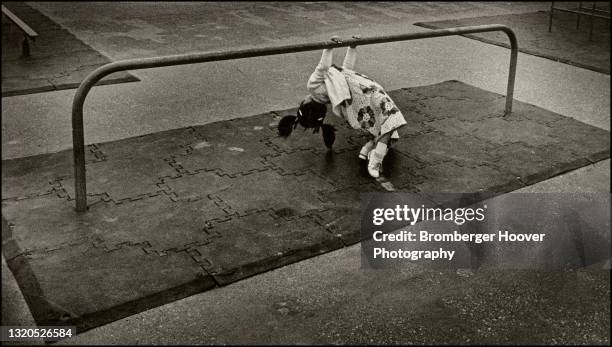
(78, 136)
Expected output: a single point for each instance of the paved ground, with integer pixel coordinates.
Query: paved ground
(170, 98)
(213, 204)
(329, 299)
(540, 82)
(139, 29)
(58, 60)
(565, 43)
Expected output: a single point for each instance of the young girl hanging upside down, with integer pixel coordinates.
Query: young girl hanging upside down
(358, 99)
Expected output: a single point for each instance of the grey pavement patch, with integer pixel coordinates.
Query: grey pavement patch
(84, 280)
(564, 44)
(58, 59)
(259, 242)
(131, 30)
(231, 149)
(178, 212)
(269, 190)
(36, 175)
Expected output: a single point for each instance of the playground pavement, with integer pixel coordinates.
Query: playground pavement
(179, 212)
(413, 306)
(58, 60)
(565, 43)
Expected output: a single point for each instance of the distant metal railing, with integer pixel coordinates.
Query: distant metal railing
(28, 33)
(194, 58)
(593, 12)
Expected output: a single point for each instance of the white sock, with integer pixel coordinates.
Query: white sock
(381, 148)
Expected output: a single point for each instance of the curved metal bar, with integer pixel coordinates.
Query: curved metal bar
(194, 58)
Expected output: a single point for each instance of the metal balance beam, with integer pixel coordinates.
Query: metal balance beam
(78, 140)
(28, 33)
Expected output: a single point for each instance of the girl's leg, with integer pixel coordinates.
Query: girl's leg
(350, 58)
(384, 139)
(376, 156)
(367, 148)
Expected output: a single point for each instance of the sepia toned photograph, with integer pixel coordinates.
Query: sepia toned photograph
(305, 173)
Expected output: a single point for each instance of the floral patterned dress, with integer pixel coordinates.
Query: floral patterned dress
(370, 108)
(361, 101)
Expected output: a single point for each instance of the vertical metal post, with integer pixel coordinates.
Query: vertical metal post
(550, 15)
(511, 72)
(592, 23)
(579, 15)
(78, 148)
(25, 46)
(78, 136)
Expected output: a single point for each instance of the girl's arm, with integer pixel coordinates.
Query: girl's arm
(318, 76)
(326, 59)
(316, 82)
(350, 58)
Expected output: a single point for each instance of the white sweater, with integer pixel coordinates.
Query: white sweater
(367, 105)
(329, 85)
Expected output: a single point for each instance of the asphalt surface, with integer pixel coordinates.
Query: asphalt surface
(169, 98)
(330, 299)
(57, 60)
(175, 213)
(341, 302)
(259, 309)
(564, 43)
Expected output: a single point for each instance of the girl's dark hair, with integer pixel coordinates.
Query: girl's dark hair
(310, 115)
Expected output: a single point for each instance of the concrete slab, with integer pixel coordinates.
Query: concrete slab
(58, 60)
(15, 310)
(567, 42)
(212, 204)
(73, 286)
(330, 299)
(176, 97)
